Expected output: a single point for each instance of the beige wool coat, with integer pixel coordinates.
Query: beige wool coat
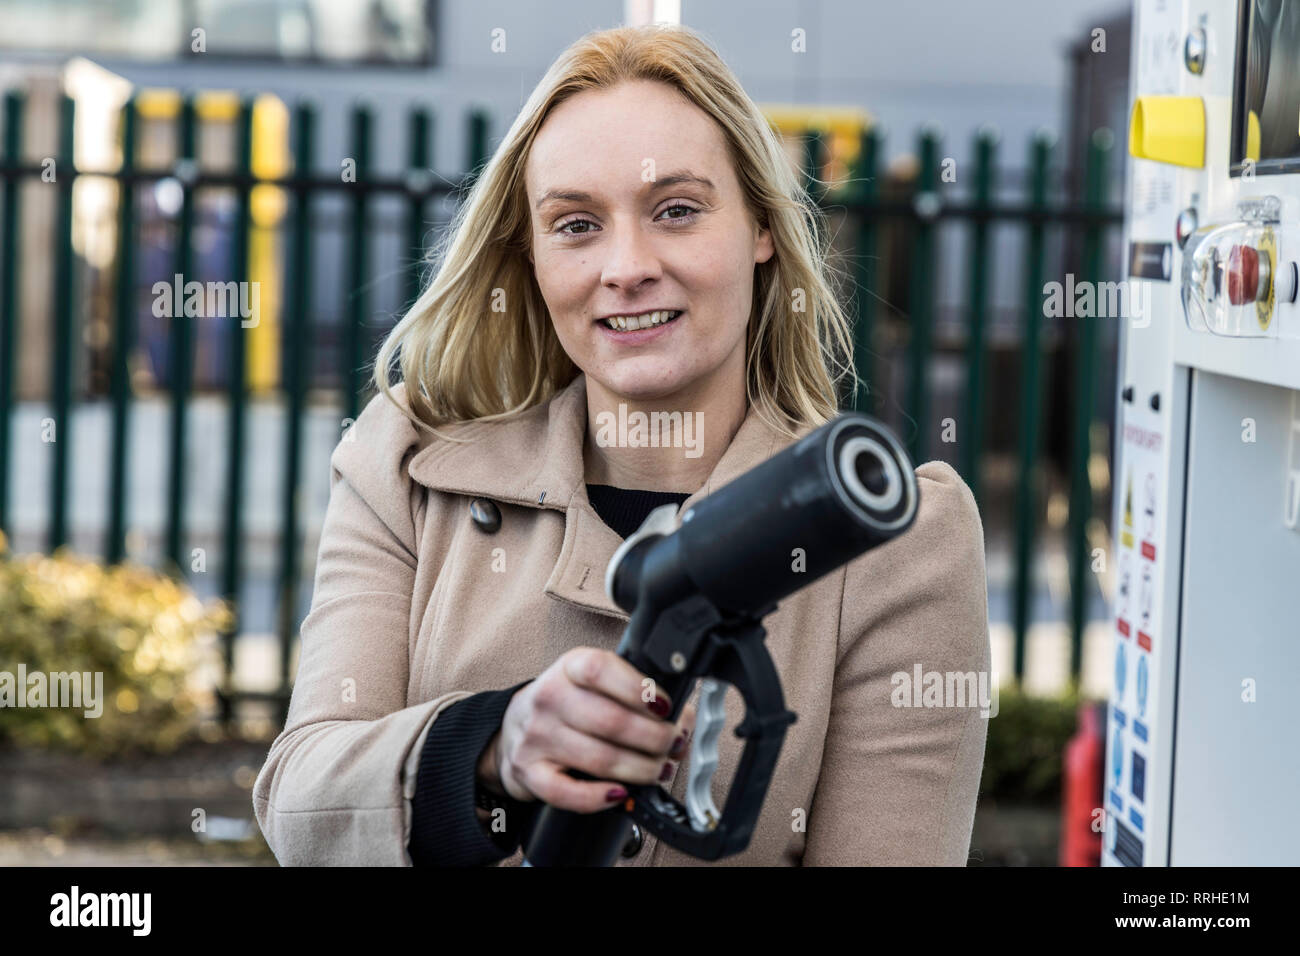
(416, 607)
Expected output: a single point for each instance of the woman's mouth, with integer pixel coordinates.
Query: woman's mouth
(626, 324)
(637, 329)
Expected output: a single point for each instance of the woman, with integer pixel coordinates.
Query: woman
(459, 652)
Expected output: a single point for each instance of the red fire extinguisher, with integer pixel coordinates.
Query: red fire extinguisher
(1081, 788)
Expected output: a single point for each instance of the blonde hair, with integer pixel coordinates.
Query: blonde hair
(466, 363)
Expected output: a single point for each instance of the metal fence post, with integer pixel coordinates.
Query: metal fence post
(924, 273)
(977, 348)
(867, 189)
(181, 336)
(9, 289)
(1099, 146)
(358, 254)
(1026, 487)
(123, 341)
(478, 145)
(296, 371)
(64, 297)
(237, 397)
(418, 161)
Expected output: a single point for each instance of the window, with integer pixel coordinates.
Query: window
(395, 32)
(1266, 114)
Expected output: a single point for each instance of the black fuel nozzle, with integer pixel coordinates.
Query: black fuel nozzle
(696, 595)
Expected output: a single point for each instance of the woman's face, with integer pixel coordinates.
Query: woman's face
(635, 208)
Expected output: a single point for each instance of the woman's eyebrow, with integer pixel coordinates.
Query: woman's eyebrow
(675, 178)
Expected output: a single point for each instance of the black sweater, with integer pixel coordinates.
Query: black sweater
(445, 828)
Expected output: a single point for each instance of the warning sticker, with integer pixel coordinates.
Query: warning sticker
(1126, 534)
(1140, 516)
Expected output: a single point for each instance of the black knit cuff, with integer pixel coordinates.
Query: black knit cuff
(445, 828)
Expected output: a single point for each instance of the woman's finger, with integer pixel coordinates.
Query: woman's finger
(598, 716)
(603, 760)
(606, 672)
(555, 787)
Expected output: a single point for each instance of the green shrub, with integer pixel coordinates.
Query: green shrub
(1026, 745)
(147, 634)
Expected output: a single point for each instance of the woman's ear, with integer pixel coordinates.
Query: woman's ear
(764, 248)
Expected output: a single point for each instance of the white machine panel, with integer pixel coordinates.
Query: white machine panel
(1201, 763)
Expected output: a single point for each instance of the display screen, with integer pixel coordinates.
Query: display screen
(1267, 87)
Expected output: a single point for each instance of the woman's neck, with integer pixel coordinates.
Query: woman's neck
(670, 444)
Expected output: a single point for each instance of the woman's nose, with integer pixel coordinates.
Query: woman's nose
(630, 258)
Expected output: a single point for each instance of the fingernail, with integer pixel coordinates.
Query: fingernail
(666, 772)
(659, 707)
(616, 793)
(676, 749)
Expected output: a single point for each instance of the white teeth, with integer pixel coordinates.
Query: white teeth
(630, 323)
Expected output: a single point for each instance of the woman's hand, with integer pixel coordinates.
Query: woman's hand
(591, 711)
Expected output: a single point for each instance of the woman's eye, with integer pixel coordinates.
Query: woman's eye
(687, 212)
(575, 222)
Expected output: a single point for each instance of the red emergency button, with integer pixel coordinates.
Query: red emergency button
(1244, 276)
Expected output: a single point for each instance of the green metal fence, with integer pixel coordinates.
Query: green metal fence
(923, 211)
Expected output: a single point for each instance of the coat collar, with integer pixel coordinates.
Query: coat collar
(536, 460)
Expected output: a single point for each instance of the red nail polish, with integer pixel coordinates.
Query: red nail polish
(666, 773)
(678, 744)
(615, 793)
(659, 707)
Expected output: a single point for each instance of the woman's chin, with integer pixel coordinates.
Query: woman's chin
(644, 379)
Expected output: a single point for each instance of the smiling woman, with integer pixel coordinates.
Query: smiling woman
(671, 261)
(638, 250)
(638, 177)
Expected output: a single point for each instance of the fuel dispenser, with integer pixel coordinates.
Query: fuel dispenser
(1202, 759)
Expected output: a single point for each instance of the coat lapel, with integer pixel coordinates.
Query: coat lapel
(536, 460)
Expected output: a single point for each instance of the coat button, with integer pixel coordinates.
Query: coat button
(485, 514)
(633, 845)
